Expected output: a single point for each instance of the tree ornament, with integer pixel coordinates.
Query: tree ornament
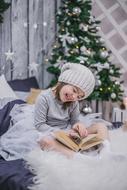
(97, 76)
(102, 40)
(98, 27)
(83, 27)
(68, 23)
(87, 109)
(75, 50)
(72, 40)
(111, 71)
(59, 12)
(113, 95)
(87, 40)
(98, 82)
(83, 49)
(88, 52)
(65, 38)
(117, 82)
(82, 59)
(104, 53)
(76, 11)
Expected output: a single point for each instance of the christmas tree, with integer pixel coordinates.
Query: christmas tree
(3, 7)
(78, 41)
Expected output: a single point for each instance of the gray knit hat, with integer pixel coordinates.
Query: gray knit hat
(79, 76)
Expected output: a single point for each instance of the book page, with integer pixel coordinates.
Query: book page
(90, 144)
(64, 138)
(89, 141)
(89, 137)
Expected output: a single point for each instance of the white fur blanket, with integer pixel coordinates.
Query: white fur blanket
(56, 172)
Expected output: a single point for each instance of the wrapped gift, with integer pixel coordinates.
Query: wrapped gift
(119, 115)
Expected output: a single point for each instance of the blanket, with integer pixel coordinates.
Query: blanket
(13, 174)
(56, 172)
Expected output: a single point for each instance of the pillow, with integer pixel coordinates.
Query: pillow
(24, 84)
(33, 95)
(5, 89)
(22, 95)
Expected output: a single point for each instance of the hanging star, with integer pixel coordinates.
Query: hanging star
(9, 55)
(35, 26)
(82, 59)
(33, 67)
(100, 66)
(59, 63)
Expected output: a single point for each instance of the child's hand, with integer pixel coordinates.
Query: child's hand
(75, 136)
(81, 129)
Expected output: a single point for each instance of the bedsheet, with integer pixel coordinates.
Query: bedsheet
(13, 174)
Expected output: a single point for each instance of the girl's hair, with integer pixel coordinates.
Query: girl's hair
(57, 89)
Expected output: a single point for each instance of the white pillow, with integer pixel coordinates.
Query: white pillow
(5, 89)
(22, 95)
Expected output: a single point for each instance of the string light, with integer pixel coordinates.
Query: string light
(46, 60)
(35, 26)
(103, 49)
(44, 23)
(25, 24)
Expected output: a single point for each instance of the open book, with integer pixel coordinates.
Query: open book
(77, 144)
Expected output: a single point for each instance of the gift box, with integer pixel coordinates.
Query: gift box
(119, 115)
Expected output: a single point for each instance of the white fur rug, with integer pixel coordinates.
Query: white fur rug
(56, 172)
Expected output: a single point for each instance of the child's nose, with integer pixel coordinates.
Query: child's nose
(74, 96)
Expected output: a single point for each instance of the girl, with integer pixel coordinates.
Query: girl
(58, 109)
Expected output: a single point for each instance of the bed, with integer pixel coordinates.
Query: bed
(52, 171)
(13, 174)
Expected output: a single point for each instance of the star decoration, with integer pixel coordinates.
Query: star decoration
(33, 67)
(9, 55)
(35, 26)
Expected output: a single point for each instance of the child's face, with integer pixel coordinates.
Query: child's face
(69, 93)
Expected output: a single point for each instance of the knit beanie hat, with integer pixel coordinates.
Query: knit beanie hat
(78, 75)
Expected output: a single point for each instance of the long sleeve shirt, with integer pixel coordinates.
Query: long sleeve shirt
(50, 115)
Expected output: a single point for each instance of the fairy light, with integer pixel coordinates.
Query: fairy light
(103, 49)
(46, 60)
(71, 52)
